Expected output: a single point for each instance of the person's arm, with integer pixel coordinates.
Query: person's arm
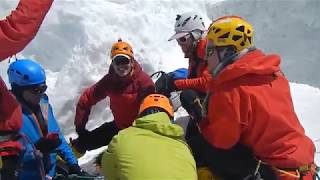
(146, 87)
(198, 84)
(223, 126)
(90, 97)
(20, 27)
(63, 150)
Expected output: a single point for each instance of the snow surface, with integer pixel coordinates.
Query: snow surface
(74, 41)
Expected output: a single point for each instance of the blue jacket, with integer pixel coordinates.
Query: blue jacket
(30, 165)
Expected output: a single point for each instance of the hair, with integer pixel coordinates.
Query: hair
(152, 110)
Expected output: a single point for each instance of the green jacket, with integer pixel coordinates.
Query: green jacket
(151, 149)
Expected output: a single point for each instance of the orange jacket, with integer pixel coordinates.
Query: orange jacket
(16, 31)
(125, 96)
(198, 76)
(250, 103)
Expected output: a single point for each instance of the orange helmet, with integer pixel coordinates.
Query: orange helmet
(157, 101)
(121, 47)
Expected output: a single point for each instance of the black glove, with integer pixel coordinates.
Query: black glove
(80, 143)
(48, 143)
(170, 83)
(82, 132)
(165, 84)
(191, 102)
(75, 169)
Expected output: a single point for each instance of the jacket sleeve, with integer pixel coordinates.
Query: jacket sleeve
(90, 97)
(223, 127)
(63, 150)
(20, 27)
(198, 84)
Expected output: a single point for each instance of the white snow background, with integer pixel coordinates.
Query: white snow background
(74, 41)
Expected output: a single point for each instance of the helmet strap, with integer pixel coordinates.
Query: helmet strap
(229, 57)
(226, 56)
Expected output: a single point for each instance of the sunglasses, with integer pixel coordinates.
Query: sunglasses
(40, 89)
(121, 60)
(183, 39)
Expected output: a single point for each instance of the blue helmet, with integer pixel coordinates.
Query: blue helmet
(25, 72)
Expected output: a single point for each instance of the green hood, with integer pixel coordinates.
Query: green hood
(159, 123)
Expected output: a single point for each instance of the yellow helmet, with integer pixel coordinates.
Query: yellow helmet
(231, 30)
(121, 48)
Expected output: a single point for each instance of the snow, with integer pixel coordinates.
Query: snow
(74, 41)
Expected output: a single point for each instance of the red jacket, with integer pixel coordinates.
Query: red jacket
(250, 103)
(198, 74)
(125, 96)
(16, 31)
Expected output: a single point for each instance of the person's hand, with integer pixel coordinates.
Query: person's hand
(48, 143)
(82, 132)
(75, 169)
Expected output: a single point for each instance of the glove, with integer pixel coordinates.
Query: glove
(48, 143)
(191, 102)
(82, 132)
(75, 169)
(80, 144)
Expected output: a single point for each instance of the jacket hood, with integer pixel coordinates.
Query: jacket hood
(253, 62)
(159, 123)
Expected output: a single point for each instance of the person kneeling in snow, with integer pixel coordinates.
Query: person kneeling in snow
(249, 104)
(40, 129)
(126, 84)
(152, 148)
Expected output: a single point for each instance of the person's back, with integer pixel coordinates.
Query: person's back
(151, 149)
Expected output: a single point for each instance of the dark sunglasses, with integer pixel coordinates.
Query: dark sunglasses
(184, 38)
(40, 89)
(121, 60)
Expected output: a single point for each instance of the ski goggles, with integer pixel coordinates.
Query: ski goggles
(184, 39)
(121, 60)
(38, 89)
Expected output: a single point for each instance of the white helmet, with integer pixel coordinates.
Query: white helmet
(187, 23)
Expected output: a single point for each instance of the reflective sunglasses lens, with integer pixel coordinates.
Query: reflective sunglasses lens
(184, 38)
(39, 89)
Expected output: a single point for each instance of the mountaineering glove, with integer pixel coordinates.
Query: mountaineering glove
(48, 143)
(192, 104)
(75, 169)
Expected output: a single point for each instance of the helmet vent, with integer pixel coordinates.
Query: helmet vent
(18, 72)
(240, 28)
(217, 30)
(248, 31)
(25, 77)
(242, 43)
(249, 39)
(178, 17)
(236, 37)
(226, 35)
(185, 21)
(195, 17)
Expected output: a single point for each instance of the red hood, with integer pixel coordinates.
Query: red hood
(254, 62)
